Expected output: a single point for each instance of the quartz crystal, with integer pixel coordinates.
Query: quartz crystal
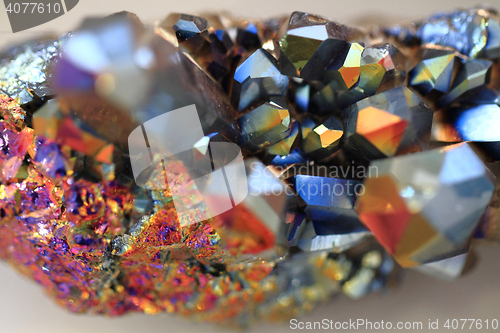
(400, 200)
(393, 122)
(434, 73)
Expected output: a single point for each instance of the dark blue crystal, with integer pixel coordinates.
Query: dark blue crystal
(295, 157)
(329, 202)
(465, 31)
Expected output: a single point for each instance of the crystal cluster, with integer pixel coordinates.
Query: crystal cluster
(359, 152)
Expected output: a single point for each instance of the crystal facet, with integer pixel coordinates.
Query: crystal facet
(323, 140)
(424, 206)
(471, 75)
(265, 125)
(393, 122)
(434, 73)
(312, 44)
(257, 79)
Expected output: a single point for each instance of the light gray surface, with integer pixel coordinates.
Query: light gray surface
(25, 308)
(344, 11)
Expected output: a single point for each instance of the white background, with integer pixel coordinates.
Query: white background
(24, 308)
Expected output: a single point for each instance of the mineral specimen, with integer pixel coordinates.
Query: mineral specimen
(237, 170)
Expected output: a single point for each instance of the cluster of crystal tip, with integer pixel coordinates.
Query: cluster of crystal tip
(357, 151)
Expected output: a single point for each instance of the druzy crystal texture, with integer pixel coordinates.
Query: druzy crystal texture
(236, 170)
